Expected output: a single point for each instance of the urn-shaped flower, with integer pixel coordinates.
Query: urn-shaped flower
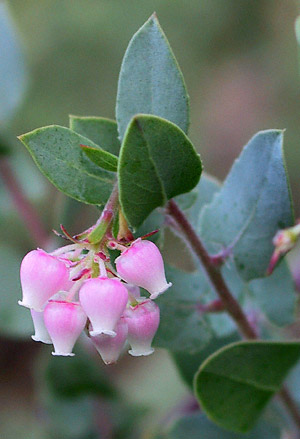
(142, 321)
(40, 330)
(104, 301)
(109, 347)
(42, 275)
(64, 321)
(142, 264)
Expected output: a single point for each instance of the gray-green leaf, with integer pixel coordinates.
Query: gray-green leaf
(252, 205)
(150, 80)
(57, 153)
(234, 385)
(102, 131)
(276, 295)
(157, 162)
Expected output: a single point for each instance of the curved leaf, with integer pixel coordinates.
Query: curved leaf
(157, 162)
(253, 203)
(150, 80)
(234, 385)
(56, 151)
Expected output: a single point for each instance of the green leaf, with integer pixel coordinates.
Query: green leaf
(188, 364)
(57, 153)
(101, 158)
(15, 320)
(234, 385)
(182, 328)
(150, 80)
(252, 205)
(102, 131)
(276, 295)
(197, 426)
(12, 67)
(157, 162)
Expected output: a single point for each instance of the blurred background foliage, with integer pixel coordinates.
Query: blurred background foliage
(239, 60)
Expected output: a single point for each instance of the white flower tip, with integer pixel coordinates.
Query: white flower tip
(103, 331)
(63, 354)
(109, 363)
(26, 305)
(141, 353)
(20, 302)
(45, 340)
(157, 293)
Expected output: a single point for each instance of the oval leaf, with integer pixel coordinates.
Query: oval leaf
(102, 131)
(234, 385)
(150, 80)
(56, 151)
(252, 205)
(157, 162)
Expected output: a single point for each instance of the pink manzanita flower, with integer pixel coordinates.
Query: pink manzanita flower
(42, 275)
(109, 347)
(40, 330)
(142, 321)
(142, 264)
(104, 301)
(64, 322)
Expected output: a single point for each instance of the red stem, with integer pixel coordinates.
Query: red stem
(230, 303)
(23, 206)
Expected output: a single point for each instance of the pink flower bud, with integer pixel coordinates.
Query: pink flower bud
(40, 330)
(64, 322)
(42, 275)
(142, 321)
(142, 264)
(104, 301)
(109, 347)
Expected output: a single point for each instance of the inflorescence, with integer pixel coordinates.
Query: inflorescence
(77, 288)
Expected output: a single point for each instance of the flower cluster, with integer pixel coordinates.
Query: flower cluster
(77, 288)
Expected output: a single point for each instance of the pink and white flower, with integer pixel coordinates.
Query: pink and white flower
(64, 321)
(142, 265)
(104, 301)
(142, 321)
(42, 276)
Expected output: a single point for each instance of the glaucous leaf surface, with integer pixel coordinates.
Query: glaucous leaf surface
(57, 153)
(253, 203)
(276, 295)
(193, 202)
(157, 162)
(234, 384)
(197, 426)
(102, 131)
(150, 80)
(183, 327)
(12, 66)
